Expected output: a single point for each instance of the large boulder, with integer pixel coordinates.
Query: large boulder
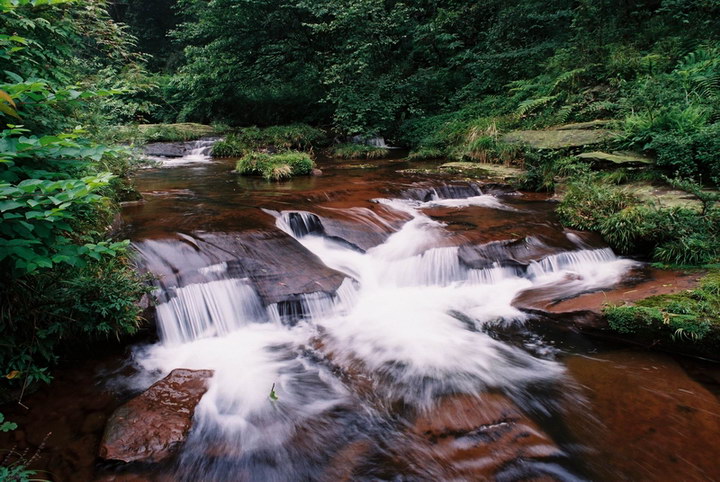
(166, 149)
(616, 159)
(277, 266)
(558, 138)
(152, 426)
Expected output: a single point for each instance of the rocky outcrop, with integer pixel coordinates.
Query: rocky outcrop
(276, 265)
(616, 159)
(558, 138)
(152, 426)
(166, 149)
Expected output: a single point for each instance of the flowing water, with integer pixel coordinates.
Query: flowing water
(380, 307)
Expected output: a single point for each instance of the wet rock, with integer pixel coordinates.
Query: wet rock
(277, 265)
(595, 124)
(477, 438)
(342, 466)
(166, 149)
(518, 252)
(553, 301)
(360, 228)
(316, 172)
(152, 426)
(650, 408)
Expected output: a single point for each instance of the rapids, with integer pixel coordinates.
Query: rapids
(383, 311)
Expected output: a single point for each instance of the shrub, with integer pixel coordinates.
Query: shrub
(52, 312)
(586, 204)
(143, 133)
(276, 166)
(690, 155)
(359, 151)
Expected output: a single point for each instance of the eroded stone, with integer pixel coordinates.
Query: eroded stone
(152, 426)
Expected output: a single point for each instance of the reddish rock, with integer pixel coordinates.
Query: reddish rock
(585, 310)
(475, 437)
(657, 422)
(152, 426)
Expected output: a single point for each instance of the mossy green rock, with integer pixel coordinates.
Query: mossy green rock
(558, 139)
(616, 158)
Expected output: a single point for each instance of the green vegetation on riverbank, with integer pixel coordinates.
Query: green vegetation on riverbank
(359, 151)
(65, 283)
(690, 319)
(297, 136)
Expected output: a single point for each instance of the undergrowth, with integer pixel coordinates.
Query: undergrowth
(276, 167)
(688, 317)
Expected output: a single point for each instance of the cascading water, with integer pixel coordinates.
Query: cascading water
(411, 320)
(194, 152)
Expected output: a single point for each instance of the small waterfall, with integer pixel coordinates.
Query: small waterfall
(193, 152)
(201, 310)
(411, 321)
(373, 141)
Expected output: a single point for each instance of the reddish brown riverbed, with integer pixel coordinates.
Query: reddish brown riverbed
(611, 413)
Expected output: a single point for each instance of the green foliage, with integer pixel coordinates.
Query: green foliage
(63, 281)
(6, 426)
(678, 235)
(14, 466)
(359, 151)
(276, 167)
(426, 153)
(144, 133)
(689, 316)
(296, 136)
(586, 204)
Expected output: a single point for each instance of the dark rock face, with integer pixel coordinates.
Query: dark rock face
(152, 426)
(278, 266)
(166, 149)
(359, 228)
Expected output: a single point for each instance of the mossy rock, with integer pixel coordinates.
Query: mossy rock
(558, 139)
(616, 159)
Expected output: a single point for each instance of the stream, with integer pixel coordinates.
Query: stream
(379, 308)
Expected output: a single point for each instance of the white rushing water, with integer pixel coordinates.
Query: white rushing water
(410, 314)
(198, 152)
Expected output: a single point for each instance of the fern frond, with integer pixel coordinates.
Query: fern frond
(531, 105)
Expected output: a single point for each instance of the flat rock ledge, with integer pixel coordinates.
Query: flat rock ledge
(152, 426)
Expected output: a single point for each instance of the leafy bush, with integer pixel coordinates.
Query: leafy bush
(143, 133)
(359, 151)
(678, 235)
(690, 155)
(276, 166)
(63, 281)
(586, 204)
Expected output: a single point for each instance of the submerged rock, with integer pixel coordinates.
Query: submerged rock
(483, 437)
(152, 426)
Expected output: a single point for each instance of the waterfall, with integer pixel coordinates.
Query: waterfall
(411, 323)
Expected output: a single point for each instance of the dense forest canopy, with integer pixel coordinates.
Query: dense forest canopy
(367, 67)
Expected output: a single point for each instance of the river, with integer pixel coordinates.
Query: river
(380, 309)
